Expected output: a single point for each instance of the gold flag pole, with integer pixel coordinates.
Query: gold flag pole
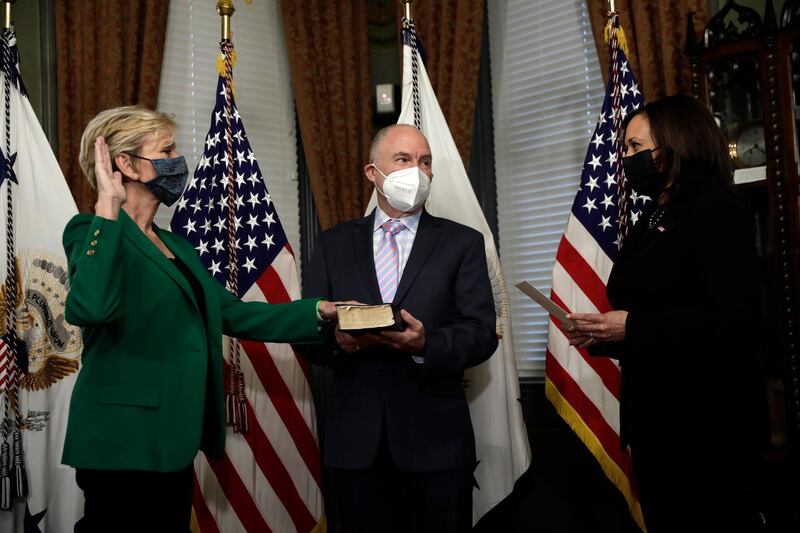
(235, 399)
(612, 5)
(407, 8)
(225, 9)
(7, 20)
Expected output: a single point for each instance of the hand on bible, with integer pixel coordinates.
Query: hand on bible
(327, 310)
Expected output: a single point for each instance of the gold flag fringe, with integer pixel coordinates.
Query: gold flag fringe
(623, 41)
(221, 69)
(590, 440)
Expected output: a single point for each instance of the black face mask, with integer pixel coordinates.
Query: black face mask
(643, 175)
(170, 179)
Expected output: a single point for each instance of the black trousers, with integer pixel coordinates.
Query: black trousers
(135, 501)
(384, 499)
(693, 493)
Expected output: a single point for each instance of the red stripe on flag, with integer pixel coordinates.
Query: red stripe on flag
(204, 517)
(272, 286)
(240, 499)
(608, 371)
(275, 292)
(583, 274)
(284, 403)
(277, 475)
(305, 365)
(587, 410)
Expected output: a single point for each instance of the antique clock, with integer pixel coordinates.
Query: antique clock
(748, 147)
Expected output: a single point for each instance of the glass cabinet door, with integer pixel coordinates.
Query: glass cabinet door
(734, 95)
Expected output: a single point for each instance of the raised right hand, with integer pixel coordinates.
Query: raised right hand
(110, 191)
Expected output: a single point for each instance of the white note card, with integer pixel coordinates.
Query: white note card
(549, 305)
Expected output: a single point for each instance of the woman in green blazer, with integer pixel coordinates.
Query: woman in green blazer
(150, 393)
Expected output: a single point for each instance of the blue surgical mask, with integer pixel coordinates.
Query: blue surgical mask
(171, 176)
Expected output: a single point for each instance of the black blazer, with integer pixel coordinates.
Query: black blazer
(445, 284)
(689, 359)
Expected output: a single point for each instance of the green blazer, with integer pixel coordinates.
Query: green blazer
(150, 393)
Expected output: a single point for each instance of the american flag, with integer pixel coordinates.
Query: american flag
(269, 479)
(585, 389)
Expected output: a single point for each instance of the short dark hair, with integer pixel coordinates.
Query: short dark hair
(692, 149)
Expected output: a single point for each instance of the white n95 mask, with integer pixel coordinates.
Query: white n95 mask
(405, 189)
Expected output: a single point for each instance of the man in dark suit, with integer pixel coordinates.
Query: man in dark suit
(398, 438)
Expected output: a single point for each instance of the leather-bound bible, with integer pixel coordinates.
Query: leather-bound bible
(363, 318)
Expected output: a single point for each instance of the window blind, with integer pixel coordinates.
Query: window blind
(263, 93)
(548, 92)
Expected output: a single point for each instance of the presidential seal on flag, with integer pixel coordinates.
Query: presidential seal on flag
(49, 346)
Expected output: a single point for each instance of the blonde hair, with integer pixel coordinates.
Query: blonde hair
(125, 130)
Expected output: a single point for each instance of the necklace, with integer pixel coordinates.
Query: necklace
(656, 217)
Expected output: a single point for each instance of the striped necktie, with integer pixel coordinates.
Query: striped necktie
(387, 260)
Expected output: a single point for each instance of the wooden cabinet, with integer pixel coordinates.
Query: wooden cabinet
(748, 73)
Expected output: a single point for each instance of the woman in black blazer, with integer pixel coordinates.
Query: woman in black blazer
(686, 326)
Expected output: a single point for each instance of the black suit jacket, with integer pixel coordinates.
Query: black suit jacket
(445, 284)
(689, 361)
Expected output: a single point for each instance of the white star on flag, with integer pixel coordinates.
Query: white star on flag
(202, 248)
(249, 264)
(189, 227)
